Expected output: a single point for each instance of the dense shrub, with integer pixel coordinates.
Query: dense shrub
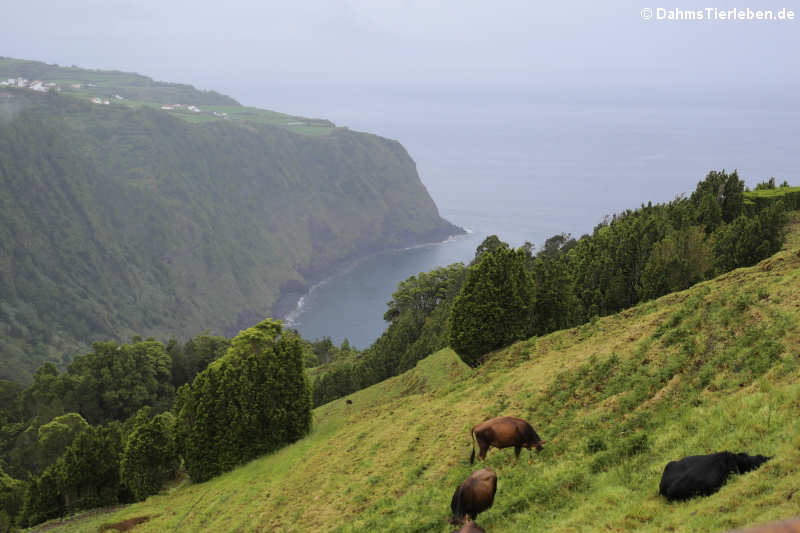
(12, 492)
(56, 436)
(150, 457)
(194, 356)
(252, 401)
(747, 240)
(111, 382)
(85, 476)
(494, 306)
(677, 262)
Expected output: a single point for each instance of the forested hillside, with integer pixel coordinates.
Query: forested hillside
(505, 295)
(121, 219)
(712, 368)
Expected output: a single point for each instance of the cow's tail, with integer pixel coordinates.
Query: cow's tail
(472, 457)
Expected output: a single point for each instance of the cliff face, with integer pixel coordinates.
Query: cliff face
(117, 220)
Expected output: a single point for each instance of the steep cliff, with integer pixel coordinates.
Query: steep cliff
(124, 219)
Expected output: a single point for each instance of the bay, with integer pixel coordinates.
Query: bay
(526, 170)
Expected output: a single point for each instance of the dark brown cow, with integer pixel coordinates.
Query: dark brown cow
(470, 527)
(786, 526)
(504, 432)
(474, 495)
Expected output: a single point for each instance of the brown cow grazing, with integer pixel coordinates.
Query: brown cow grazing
(504, 432)
(786, 526)
(470, 527)
(474, 495)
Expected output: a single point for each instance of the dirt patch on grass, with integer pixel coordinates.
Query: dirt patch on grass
(125, 525)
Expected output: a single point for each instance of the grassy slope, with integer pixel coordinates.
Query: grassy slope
(712, 368)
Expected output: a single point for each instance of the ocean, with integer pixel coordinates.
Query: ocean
(526, 169)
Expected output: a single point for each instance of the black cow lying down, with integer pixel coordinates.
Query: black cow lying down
(701, 475)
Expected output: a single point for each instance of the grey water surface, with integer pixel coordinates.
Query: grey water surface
(527, 170)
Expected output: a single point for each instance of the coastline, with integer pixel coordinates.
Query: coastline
(290, 313)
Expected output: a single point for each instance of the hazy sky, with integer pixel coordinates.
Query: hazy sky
(525, 119)
(247, 48)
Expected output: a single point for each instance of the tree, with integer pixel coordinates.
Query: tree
(23, 458)
(43, 497)
(85, 476)
(114, 381)
(324, 350)
(194, 356)
(418, 326)
(608, 265)
(56, 436)
(90, 468)
(556, 305)
(709, 212)
(12, 492)
(748, 240)
(48, 396)
(251, 401)
(109, 383)
(151, 456)
(718, 194)
(677, 262)
(494, 307)
(10, 409)
(489, 244)
(769, 184)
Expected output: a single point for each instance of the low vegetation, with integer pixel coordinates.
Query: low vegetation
(712, 368)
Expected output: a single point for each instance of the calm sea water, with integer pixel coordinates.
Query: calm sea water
(526, 170)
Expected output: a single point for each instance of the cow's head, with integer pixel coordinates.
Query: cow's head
(746, 463)
(538, 445)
